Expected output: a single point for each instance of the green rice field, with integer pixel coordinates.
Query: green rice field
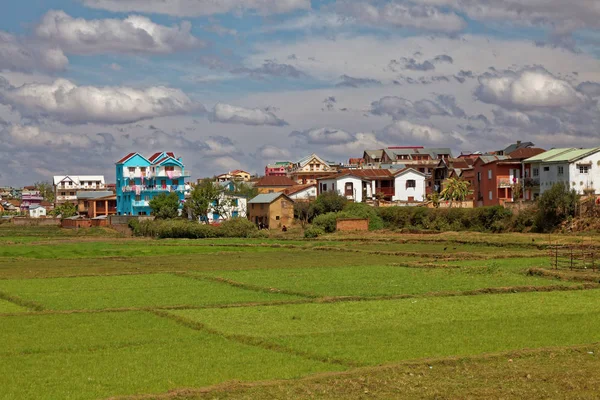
(91, 315)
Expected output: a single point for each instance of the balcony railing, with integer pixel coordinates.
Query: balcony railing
(167, 188)
(508, 182)
(165, 174)
(386, 191)
(66, 198)
(531, 182)
(142, 203)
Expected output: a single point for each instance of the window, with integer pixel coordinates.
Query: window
(536, 172)
(546, 169)
(561, 170)
(489, 174)
(584, 169)
(491, 195)
(411, 183)
(324, 187)
(479, 177)
(349, 189)
(277, 218)
(131, 170)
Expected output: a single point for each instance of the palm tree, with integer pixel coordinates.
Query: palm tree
(456, 190)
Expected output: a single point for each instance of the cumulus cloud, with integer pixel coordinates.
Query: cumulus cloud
(410, 133)
(219, 146)
(399, 108)
(271, 68)
(401, 14)
(196, 8)
(272, 153)
(323, 136)
(34, 137)
(66, 102)
(526, 89)
(357, 145)
(349, 81)
(591, 89)
(18, 54)
(134, 34)
(228, 114)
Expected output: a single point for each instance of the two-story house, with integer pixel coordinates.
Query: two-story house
(278, 169)
(577, 169)
(67, 186)
(309, 169)
(238, 175)
(140, 179)
(30, 198)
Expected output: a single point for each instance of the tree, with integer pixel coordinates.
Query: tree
(328, 202)
(46, 190)
(202, 197)
(165, 206)
(456, 190)
(65, 210)
(245, 190)
(555, 206)
(303, 212)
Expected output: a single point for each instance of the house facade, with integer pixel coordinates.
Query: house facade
(96, 204)
(271, 210)
(410, 186)
(140, 179)
(67, 186)
(30, 198)
(226, 207)
(495, 178)
(308, 169)
(277, 169)
(302, 192)
(238, 175)
(37, 211)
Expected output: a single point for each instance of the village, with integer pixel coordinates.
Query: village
(395, 176)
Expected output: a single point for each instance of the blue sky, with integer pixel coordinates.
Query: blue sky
(240, 83)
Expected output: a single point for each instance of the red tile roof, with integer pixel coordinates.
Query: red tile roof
(171, 154)
(275, 181)
(127, 157)
(154, 157)
(361, 173)
(522, 154)
(298, 188)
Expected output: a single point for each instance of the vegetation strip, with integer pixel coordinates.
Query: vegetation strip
(21, 302)
(566, 275)
(401, 368)
(253, 341)
(246, 286)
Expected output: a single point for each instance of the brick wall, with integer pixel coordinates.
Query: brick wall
(354, 224)
(36, 221)
(76, 223)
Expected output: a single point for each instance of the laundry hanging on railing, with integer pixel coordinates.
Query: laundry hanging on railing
(138, 190)
(170, 174)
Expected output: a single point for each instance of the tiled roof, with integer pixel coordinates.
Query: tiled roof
(298, 188)
(361, 173)
(275, 181)
(526, 152)
(127, 157)
(154, 156)
(171, 154)
(266, 198)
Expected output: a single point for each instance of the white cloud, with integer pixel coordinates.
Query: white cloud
(134, 34)
(271, 153)
(400, 108)
(322, 136)
(17, 54)
(415, 134)
(66, 102)
(356, 147)
(527, 89)
(34, 137)
(401, 14)
(219, 146)
(196, 8)
(228, 114)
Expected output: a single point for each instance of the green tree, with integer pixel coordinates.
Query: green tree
(165, 206)
(303, 212)
(65, 210)
(329, 202)
(46, 190)
(201, 198)
(555, 206)
(456, 190)
(245, 190)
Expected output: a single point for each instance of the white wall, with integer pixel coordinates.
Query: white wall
(572, 177)
(37, 212)
(305, 194)
(339, 185)
(402, 193)
(241, 208)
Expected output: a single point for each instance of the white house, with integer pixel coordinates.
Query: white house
(229, 206)
(67, 186)
(410, 186)
(302, 192)
(349, 184)
(577, 169)
(37, 211)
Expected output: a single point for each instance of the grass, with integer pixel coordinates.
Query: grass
(131, 291)
(376, 332)
(88, 356)
(9, 307)
(381, 280)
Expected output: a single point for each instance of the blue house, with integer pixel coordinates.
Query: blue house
(139, 179)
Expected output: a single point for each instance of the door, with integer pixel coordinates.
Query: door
(349, 189)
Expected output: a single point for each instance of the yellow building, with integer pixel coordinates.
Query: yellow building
(272, 210)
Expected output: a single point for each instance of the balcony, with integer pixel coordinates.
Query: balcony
(142, 203)
(531, 182)
(508, 182)
(160, 174)
(167, 188)
(66, 198)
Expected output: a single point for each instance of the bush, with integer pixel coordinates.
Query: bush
(313, 232)
(237, 227)
(326, 222)
(554, 207)
(328, 202)
(260, 235)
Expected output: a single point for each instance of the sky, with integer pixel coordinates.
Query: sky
(229, 84)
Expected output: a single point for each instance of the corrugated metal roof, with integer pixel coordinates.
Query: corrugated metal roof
(489, 159)
(266, 198)
(573, 155)
(548, 154)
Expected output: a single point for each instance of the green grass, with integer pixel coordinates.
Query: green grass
(381, 280)
(8, 307)
(88, 356)
(375, 332)
(160, 290)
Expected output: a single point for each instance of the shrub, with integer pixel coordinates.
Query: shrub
(313, 232)
(237, 227)
(329, 202)
(554, 207)
(359, 210)
(259, 234)
(326, 222)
